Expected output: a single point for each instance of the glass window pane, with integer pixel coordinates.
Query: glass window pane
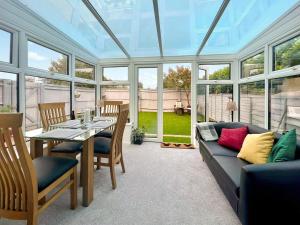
(115, 74)
(116, 93)
(5, 46)
(74, 19)
(201, 103)
(253, 66)
(44, 58)
(218, 98)
(284, 105)
(131, 22)
(252, 103)
(214, 72)
(42, 90)
(287, 54)
(242, 21)
(8, 92)
(85, 97)
(184, 24)
(84, 70)
(147, 100)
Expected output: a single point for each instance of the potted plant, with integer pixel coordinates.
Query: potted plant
(137, 136)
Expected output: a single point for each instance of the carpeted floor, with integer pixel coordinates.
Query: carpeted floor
(160, 187)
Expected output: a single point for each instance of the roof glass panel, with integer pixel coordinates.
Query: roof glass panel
(241, 22)
(133, 23)
(184, 24)
(74, 19)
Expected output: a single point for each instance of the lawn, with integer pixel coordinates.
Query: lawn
(173, 124)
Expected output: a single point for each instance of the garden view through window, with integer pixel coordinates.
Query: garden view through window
(214, 72)
(253, 66)
(84, 70)
(5, 46)
(8, 90)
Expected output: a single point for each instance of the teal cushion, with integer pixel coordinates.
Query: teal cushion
(102, 145)
(285, 148)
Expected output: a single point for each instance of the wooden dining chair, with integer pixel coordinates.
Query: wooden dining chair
(23, 181)
(111, 148)
(110, 109)
(53, 113)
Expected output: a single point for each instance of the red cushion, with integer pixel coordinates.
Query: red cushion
(233, 138)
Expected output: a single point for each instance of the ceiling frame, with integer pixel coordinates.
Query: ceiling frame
(213, 25)
(105, 26)
(157, 21)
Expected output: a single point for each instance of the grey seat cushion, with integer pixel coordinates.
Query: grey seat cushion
(49, 169)
(67, 147)
(230, 169)
(214, 149)
(105, 133)
(102, 145)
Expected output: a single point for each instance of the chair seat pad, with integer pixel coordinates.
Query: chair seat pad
(102, 145)
(67, 147)
(49, 169)
(105, 133)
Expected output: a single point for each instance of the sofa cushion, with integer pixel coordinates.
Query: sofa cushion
(68, 147)
(213, 148)
(233, 138)
(49, 169)
(230, 170)
(220, 126)
(257, 147)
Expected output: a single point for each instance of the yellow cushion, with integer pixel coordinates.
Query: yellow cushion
(257, 147)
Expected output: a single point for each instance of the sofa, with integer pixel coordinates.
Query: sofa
(259, 194)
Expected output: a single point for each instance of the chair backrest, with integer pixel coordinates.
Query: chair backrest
(52, 113)
(117, 138)
(18, 184)
(111, 108)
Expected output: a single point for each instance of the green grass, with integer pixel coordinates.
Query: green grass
(172, 124)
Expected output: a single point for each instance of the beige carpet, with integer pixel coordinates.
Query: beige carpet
(160, 187)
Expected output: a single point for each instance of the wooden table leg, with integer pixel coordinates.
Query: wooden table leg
(36, 148)
(88, 171)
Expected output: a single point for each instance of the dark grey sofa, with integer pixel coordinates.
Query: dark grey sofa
(259, 194)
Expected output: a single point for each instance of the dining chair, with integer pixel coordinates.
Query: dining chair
(53, 113)
(109, 109)
(111, 148)
(25, 182)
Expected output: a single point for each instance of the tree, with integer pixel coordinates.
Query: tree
(59, 66)
(180, 78)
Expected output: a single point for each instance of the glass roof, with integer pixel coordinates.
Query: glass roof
(183, 24)
(133, 23)
(74, 19)
(242, 21)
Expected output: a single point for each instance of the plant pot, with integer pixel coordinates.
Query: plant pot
(138, 140)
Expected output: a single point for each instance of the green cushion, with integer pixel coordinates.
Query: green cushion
(285, 148)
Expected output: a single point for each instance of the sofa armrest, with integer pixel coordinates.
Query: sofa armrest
(270, 193)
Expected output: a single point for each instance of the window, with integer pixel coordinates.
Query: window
(115, 74)
(85, 97)
(286, 54)
(42, 90)
(8, 92)
(212, 103)
(84, 70)
(5, 46)
(252, 103)
(116, 93)
(253, 65)
(284, 104)
(201, 103)
(44, 58)
(214, 72)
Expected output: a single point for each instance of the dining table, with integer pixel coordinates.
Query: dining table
(74, 131)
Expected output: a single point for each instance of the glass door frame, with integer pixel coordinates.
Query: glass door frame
(159, 67)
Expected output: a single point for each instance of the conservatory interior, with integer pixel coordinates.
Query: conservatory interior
(90, 89)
